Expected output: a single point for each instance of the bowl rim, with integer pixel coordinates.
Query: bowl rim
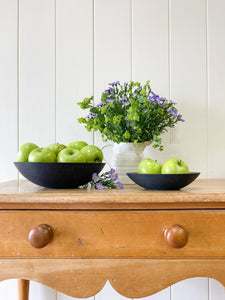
(177, 174)
(59, 163)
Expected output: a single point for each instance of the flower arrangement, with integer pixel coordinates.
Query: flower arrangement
(130, 112)
(107, 180)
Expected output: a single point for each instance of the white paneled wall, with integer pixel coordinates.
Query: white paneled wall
(53, 53)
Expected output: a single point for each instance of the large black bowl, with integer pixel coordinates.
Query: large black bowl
(163, 181)
(59, 175)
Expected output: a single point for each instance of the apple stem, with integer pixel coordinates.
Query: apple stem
(179, 162)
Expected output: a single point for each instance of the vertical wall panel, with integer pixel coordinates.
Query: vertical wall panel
(216, 66)
(188, 81)
(61, 296)
(150, 55)
(37, 72)
(190, 289)
(108, 293)
(216, 290)
(8, 88)
(74, 67)
(112, 47)
(162, 295)
(8, 289)
(37, 83)
(40, 291)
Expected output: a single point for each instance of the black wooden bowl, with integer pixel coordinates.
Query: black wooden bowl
(58, 175)
(163, 181)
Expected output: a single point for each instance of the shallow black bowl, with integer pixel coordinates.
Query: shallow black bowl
(163, 181)
(59, 175)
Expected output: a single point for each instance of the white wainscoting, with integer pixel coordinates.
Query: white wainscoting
(53, 53)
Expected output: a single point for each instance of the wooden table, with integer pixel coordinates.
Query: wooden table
(142, 241)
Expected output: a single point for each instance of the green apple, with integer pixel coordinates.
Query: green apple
(77, 145)
(93, 154)
(24, 151)
(42, 155)
(57, 148)
(71, 155)
(174, 166)
(149, 166)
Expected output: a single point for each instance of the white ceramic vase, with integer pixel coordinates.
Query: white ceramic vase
(126, 158)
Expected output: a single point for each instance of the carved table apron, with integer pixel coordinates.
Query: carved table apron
(142, 241)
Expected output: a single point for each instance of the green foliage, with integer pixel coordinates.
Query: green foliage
(130, 112)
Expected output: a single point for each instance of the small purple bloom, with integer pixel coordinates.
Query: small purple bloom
(152, 99)
(109, 89)
(109, 100)
(179, 117)
(173, 112)
(112, 171)
(139, 89)
(174, 103)
(91, 116)
(100, 104)
(124, 98)
(163, 106)
(154, 95)
(114, 83)
(126, 82)
(117, 82)
(125, 103)
(99, 186)
(119, 185)
(95, 177)
(114, 176)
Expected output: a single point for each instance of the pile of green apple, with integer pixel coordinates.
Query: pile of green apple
(74, 152)
(171, 166)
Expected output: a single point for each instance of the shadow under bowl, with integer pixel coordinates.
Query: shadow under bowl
(163, 181)
(59, 175)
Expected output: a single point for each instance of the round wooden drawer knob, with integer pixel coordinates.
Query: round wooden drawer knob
(176, 236)
(40, 236)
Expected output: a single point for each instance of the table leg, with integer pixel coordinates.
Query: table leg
(23, 289)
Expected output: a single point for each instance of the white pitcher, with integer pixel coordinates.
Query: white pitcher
(126, 158)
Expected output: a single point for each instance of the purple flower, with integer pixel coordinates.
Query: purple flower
(174, 103)
(109, 100)
(100, 104)
(125, 103)
(179, 117)
(124, 98)
(114, 176)
(152, 99)
(119, 185)
(154, 95)
(163, 106)
(114, 83)
(112, 171)
(99, 186)
(138, 89)
(174, 112)
(95, 177)
(91, 116)
(109, 89)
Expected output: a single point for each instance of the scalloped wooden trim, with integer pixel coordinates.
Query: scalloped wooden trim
(132, 278)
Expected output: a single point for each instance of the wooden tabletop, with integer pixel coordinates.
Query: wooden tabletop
(25, 195)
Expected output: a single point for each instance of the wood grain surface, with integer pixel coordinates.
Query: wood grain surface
(112, 234)
(134, 278)
(25, 195)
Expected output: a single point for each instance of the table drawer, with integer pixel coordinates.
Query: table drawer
(113, 234)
